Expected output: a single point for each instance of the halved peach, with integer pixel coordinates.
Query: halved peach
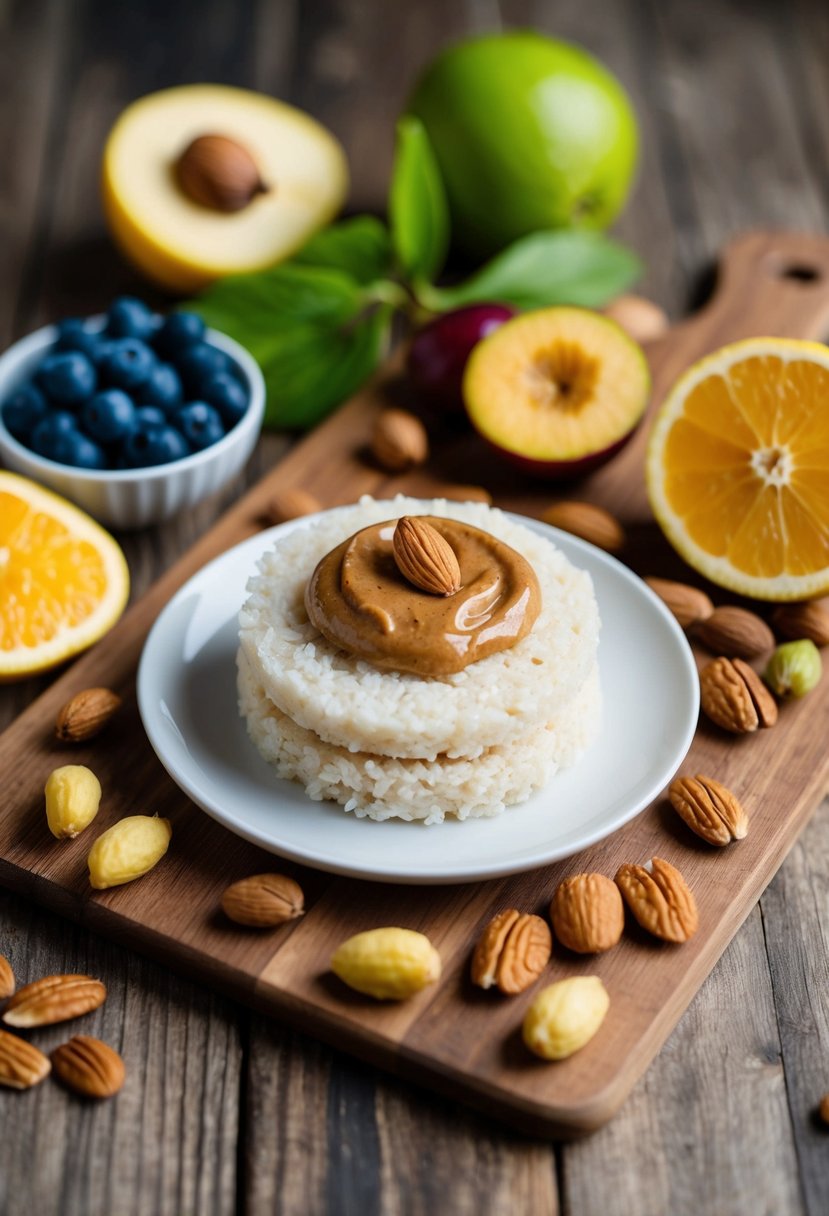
(557, 391)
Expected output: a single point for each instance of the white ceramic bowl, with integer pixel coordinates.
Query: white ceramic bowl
(133, 498)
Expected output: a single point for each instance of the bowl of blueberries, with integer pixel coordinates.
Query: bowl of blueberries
(133, 415)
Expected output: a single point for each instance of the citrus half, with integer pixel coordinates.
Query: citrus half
(738, 468)
(63, 579)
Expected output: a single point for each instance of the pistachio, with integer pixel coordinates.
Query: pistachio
(794, 669)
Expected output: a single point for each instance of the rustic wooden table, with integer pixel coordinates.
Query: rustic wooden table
(225, 1111)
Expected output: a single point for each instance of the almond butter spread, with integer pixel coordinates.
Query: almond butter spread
(360, 600)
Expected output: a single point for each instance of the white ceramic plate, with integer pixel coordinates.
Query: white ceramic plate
(187, 699)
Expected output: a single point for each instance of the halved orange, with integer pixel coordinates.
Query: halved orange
(63, 580)
(738, 468)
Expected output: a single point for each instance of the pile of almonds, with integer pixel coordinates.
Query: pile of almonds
(86, 1065)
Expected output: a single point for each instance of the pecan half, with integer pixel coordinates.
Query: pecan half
(55, 998)
(708, 808)
(88, 1066)
(587, 913)
(734, 696)
(21, 1064)
(512, 952)
(659, 899)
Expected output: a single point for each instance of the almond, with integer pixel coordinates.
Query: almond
(708, 808)
(590, 522)
(424, 557)
(21, 1064)
(688, 604)
(735, 633)
(291, 503)
(55, 998)
(7, 984)
(512, 952)
(639, 317)
(734, 696)
(587, 913)
(399, 441)
(219, 173)
(796, 621)
(86, 714)
(659, 899)
(263, 900)
(90, 1067)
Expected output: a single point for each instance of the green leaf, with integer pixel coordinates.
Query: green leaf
(562, 267)
(360, 246)
(310, 369)
(418, 210)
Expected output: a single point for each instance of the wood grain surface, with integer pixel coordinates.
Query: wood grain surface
(226, 1111)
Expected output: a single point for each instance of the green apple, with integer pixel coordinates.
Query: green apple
(529, 133)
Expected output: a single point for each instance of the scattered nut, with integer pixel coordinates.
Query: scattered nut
(389, 964)
(688, 604)
(55, 998)
(73, 795)
(263, 900)
(735, 633)
(399, 441)
(89, 1067)
(659, 899)
(565, 1016)
(290, 504)
(86, 714)
(641, 318)
(709, 809)
(587, 913)
(734, 696)
(588, 521)
(7, 984)
(794, 669)
(809, 620)
(21, 1064)
(513, 950)
(424, 557)
(127, 850)
(219, 173)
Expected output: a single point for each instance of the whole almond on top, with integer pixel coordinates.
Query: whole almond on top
(796, 621)
(734, 696)
(21, 1064)
(513, 950)
(7, 984)
(290, 503)
(659, 899)
(588, 521)
(708, 808)
(688, 604)
(735, 633)
(424, 557)
(86, 714)
(639, 317)
(219, 173)
(89, 1067)
(55, 998)
(399, 440)
(263, 900)
(587, 913)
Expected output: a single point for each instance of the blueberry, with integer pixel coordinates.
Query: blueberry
(130, 318)
(48, 433)
(227, 395)
(23, 410)
(127, 363)
(70, 331)
(155, 445)
(198, 363)
(162, 388)
(201, 424)
(148, 416)
(109, 416)
(67, 377)
(179, 330)
(77, 449)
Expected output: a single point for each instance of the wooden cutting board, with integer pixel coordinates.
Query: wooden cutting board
(452, 1037)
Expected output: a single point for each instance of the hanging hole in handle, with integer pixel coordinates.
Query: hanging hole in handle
(798, 272)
